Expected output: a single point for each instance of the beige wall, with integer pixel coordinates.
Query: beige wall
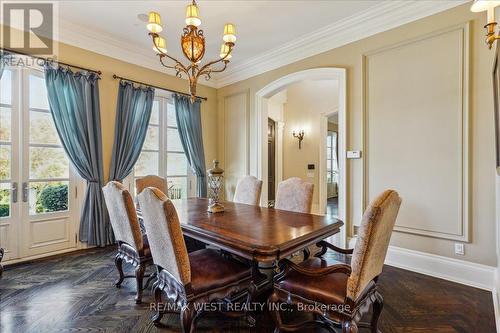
(108, 90)
(481, 249)
(306, 101)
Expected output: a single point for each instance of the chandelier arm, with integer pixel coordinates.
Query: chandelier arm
(163, 54)
(165, 65)
(217, 61)
(209, 70)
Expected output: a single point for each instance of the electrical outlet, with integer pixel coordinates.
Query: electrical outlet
(459, 249)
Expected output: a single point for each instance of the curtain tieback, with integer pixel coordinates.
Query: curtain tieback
(93, 181)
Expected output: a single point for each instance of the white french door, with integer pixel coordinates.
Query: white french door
(37, 183)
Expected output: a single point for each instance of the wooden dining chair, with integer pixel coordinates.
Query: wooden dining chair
(133, 247)
(187, 279)
(151, 181)
(248, 191)
(340, 294)
(294, 195)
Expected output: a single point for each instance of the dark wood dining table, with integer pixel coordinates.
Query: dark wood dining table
(258, 234)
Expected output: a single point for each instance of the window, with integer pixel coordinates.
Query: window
(48, 174)
(331, 158)
(162, 153)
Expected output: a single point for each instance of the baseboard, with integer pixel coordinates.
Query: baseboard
(459, 271)
(496, 308)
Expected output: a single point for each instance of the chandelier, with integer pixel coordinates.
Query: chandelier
(193, 47)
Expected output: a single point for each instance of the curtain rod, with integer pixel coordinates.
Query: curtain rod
(161, 88)
(49, 60)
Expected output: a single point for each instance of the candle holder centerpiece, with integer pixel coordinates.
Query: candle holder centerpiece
(215, 177)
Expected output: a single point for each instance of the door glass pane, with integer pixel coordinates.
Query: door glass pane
(4, 199)
(177, 187)
(5, 162)
(38, 93)
(176, 164)
(152, 141)
(48, 163)
(171, 121)
(6, 88)
(174, 140)
(42, 129)
(147, 164)
(5, 124)
(45, 197)
(155, 113)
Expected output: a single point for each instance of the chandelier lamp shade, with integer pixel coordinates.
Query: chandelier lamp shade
(193, 48)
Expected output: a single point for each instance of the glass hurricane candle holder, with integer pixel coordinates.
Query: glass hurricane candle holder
(215, 181)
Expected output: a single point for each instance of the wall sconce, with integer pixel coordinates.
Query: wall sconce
(488, 6)
(300, 136)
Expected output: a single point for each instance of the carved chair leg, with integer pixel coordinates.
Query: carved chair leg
(159, 305)
(119, 267)
(139, 276)
(349, 326)
(377, 310)
(252, 294)
(272, 302)
(307, 253)
(188, 317)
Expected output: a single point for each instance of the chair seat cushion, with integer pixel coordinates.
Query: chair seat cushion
(328, 289)
(210, 270)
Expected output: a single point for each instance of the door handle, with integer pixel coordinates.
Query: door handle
(14, 192)
(25, 192)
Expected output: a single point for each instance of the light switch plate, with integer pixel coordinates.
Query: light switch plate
(353, 154)
(459, 249)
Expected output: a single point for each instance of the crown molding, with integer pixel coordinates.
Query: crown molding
(388, 15)
(105, 44)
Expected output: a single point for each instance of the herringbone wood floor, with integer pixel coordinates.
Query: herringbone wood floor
(75, 293)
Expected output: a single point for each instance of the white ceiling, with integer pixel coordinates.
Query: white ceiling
(270, 33)
(261, 25)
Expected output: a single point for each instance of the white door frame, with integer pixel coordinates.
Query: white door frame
(259, 137)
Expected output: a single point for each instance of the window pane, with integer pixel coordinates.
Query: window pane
(42, 129)
(4, 199)
(176, 164)
(6, 88)
(171, 115)
(48, 197)
(152, 141)
(155, 113)
(38, 93)
(174, 140)
(5, 118)
(147, 164)
(329, 153)
(4, 162)
(48, 163)
(177, 188)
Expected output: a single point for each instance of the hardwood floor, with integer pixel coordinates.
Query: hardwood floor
(75, 292)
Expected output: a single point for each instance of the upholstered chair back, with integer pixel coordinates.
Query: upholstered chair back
(248, 191)
(295, 195)
(122, 215)
(151, 181)
(164, 232)
(373, 241)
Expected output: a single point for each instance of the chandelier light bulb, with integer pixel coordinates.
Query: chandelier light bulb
(229, 33)
(193, 15)
(154, 23)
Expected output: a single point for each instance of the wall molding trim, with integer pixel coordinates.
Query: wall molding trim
(455, 270)
(388, 15)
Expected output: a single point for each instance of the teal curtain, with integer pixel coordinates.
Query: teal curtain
(189, 126)
(133, 110)
(74, 104)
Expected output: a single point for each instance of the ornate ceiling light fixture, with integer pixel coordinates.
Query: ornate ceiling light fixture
(193, 47)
